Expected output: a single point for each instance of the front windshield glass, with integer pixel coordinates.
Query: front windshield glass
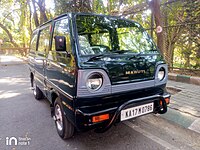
(103, 34)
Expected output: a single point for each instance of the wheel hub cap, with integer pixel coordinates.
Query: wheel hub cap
(58, 115)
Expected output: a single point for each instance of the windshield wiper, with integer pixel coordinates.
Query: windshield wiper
(96, 57)
(120, 51)
(135, 56)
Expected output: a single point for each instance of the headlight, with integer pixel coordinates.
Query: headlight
(161, 73)
(94, 81)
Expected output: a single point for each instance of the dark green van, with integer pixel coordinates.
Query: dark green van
(96, 70)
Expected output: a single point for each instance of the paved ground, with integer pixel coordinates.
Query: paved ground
(186, 97)
(185, 105)
(22, 116)
(10, 60)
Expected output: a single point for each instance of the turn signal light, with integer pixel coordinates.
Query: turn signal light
(167, 100)
(100, 118)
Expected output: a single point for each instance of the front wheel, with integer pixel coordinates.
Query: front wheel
(64, 126)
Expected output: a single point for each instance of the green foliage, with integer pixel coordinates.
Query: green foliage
(189, 41)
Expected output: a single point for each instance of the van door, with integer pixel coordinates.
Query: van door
(43, 46)
(60, 62)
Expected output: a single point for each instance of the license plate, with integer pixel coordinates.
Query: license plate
(136, 111)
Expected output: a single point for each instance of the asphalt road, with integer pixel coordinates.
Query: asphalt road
(29, 121)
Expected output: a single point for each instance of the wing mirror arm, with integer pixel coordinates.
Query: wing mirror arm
(68, 54)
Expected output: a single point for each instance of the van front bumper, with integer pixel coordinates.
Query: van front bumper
(84, 118)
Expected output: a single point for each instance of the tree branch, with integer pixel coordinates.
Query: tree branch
(9, 35)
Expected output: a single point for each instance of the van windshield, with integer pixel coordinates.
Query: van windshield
(104, 34)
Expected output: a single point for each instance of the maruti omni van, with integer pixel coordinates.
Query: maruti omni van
(96, 71)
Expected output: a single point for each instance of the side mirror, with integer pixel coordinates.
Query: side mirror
(60, 43)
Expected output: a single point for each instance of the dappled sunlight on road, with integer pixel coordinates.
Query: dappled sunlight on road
(13, 81)
(12, 87)
(9, 59)
(8, 94)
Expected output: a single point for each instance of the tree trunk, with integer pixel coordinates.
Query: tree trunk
(43, 16)
(171, 61)
(155, 7)
(35, 15)
(30, 24)
(198, 58)
(109, 7)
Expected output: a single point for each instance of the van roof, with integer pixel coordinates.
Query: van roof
(79, 13)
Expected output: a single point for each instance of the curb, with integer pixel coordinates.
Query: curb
(185, 120)
(184, 78)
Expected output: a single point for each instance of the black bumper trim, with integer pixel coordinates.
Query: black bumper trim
(162, 109)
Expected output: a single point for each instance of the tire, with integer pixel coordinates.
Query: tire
(36, 91)
(64, 127)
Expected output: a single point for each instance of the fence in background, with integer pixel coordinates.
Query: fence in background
(14, 51)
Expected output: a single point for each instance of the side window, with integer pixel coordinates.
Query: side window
(33, 42)
(62, 29)
(44, 35)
